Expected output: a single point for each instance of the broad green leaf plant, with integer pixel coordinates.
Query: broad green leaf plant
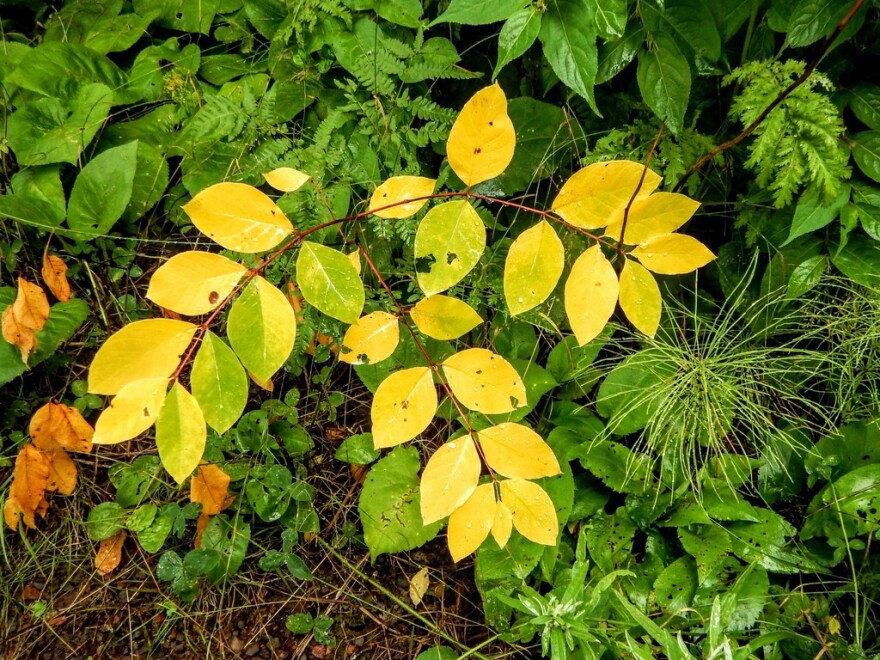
(482, 481)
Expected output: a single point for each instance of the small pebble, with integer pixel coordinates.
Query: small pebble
(236, 645)
(252, 650)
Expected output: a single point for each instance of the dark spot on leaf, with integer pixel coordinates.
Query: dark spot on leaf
(477, 150)
(451, 257)
(146, 412)
(213, 297)
(491, 123)
(479, 371)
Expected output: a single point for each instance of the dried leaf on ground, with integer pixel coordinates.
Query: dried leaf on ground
(57, 425)
(55, 277)
(109, 554)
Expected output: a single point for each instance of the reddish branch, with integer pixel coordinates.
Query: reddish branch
(636, 191)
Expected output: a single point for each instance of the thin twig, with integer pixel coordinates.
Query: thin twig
(638, 188)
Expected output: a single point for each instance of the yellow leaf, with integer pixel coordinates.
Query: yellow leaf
(594, 196)
(131, 412)
(109, 554)
(640, 297)
(653, 216)
(482, 139)
(194, 283)
(502, 524)
(397, 191)
(484, 381)
(443, 317)
(355, 258)
(516, 451)
(55, 276)
(403, 406)
(239, 217)
(531, 509)
(673, 254)
(57, 425)
(449, 478)
(533, 266)
(372, 339)
(418, 586)
(210, 488)
(469, 524)
(286, 179)
(449, 240)
(181, 433)
(144, 349)
(590, 294)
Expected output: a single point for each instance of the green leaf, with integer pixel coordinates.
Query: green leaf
(859, 260)
(664, 78)
(180, 433)
(864, 101)
(707, 544)
(219, 383)
(152, 538)
(620, 469)
(675, 587)
(479, 12)
(631, 393)
(850, 447)
(102, 191)
(357, 450)
(393, 485)
(150, 181)
(687, 22)
(517, 35)
(813, 19)
(230, 539)
(30, 211)
(104, 521)
(400, 12)
(806, 276)
(449, 242)
(438, 653)
(142, 517)
(568, 34)
(135, 481)
(611, 18)
(42, 184)
(328, 280)
(866, 152)
(615, 56)
(814, 212)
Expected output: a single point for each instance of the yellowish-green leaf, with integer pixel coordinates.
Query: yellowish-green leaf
(595, 195)
(261, 328)
(673, 254)
(482, 139)
(131, 412)
(532, 510)
(286, 179)
(590, 294)
(653, 216)
(534, 263)
(469, 524)
(449, 478)
(397, 191)
(640, 297)
(239, 217)
(448, 244)
(517, 452)
(502, 524)
(484, 381)
(403, 406)
(444, 317)
(194, 283)
(151, 348)
(219, 383)
(372, 339)
(328, 280)
(180, 433)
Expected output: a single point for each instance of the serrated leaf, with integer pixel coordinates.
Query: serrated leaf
(866, 153)
(372, 339)
(328, 280)
(673, 254)
(219, 383)
(261, 328)
(517, 34)
(239, 217)
(640, 297)
(533, 267)
(502, 524)
(286, 179)
(482, 139)
(144, 349)
(180, 433)
(531, 509)
(449, 478)
(449, 242)
(484, 381)
(611, 18)
(590, 294)
(131, 412)
(442, 317)
(193, 283)
(653, 216)
(469, 525)
(478, 12)
(593, 196)
(664, 77)
(403, 406)
(397, 191)
(568, 34)
(517, 452)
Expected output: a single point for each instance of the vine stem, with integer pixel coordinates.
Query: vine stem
(748, 130)
(636, 191)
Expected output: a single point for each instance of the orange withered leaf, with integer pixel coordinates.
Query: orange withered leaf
(57, 425)
(31, 307)
(29, 480)
(55, 277)
(210, 488)
(62, 472)
(109, 554)
(201, 525)
(17, 334)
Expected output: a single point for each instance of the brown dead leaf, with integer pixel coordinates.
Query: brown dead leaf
(56, 425)
(109, 554)
(359, 473)
(55, 277)
(29, 479)
(210, 488)
(17, 334)
(169, 314)
(31, 306)
(62, 472)
(30, 593)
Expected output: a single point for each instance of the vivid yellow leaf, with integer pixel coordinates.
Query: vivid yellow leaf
(239, 217)
(193, 283)
(62, 472)
(502, 524)
(131, 412)
(482, 139)
(531, 509)
(372, 339)
(469, 524)
(29, 479)
(57, 425)
(397, 191)
(658, 214)
(443, 317)
(484, 381)
(403, 406)
(109, 554)
(640, 297)
(181, 433)
(533, 266)
(151, 348)
(673, 254)
(516, 451)
(210, 488)
(286, 179)
(449, 242)
(55, 276)
(449, 478)
(594, 196)
(355, 258)
(590, 294)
